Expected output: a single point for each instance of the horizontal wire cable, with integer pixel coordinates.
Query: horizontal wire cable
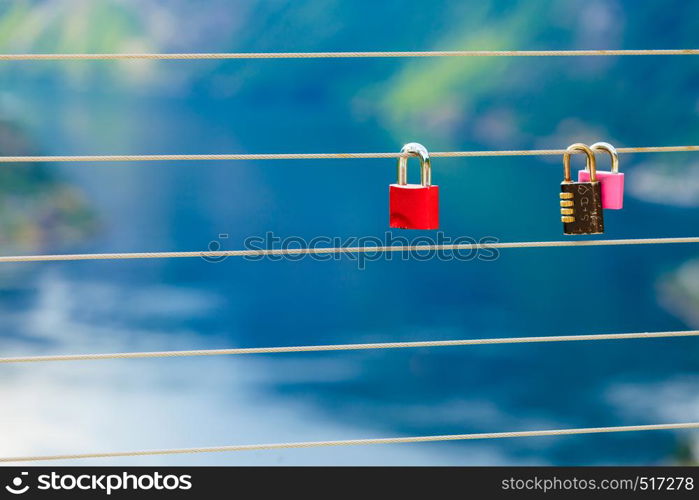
(348, 250)
(319, 156)
(346, 347)
(356, 442)
(349, 55)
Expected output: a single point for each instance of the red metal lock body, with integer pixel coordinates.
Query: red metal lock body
(414, 206)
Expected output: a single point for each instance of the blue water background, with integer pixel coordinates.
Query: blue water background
(321, 106)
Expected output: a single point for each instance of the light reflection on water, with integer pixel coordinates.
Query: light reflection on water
(150, 404)
(208, 401)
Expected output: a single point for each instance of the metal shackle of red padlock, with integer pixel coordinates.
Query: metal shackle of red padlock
(414, 206)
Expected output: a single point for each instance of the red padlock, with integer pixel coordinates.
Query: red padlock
(414, 206)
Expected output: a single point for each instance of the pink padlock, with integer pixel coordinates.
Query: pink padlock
(611, 183)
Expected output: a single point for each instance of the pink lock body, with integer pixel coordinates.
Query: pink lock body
(612, 186)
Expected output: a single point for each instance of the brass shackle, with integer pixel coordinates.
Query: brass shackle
(590, 164)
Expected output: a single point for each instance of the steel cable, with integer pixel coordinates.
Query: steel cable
(349, 55)
(355, 442)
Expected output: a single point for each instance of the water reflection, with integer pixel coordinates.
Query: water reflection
(122, 405)
(148, 404)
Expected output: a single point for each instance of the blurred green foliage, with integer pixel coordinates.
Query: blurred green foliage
(37, 208)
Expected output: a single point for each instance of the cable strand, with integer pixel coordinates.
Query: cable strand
(346, 347)
(348, 55)
(339, 250)
(357, 442)
(318, 156)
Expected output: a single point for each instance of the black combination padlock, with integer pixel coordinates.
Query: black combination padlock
(581, 202)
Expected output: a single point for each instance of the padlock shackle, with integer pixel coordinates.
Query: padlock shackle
(415, 149)
(605, 146)
(590, 164)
